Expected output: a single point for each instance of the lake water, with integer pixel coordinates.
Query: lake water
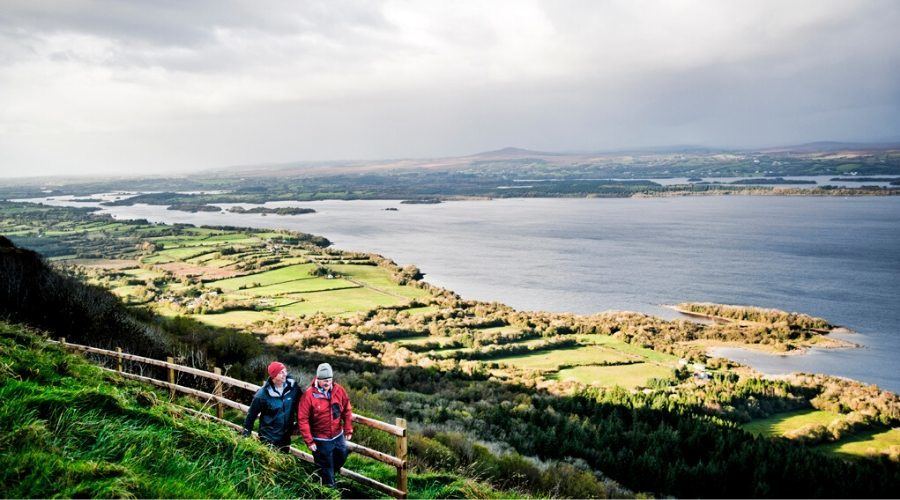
(838, 258)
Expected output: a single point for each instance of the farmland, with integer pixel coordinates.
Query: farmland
(294, 292)
(780, 424)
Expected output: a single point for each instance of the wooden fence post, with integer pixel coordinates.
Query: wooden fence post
(220, 408)
(119, 359)
(62, 342)
(171, 360)
(401, 454)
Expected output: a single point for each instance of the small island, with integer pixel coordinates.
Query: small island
(769, 180)
(770, 330)
(422, 201)
(194, 207)
(85, 200)
(391, 209)
(893, 181)
(276, 211)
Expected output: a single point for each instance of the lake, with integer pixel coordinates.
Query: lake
(838, 258)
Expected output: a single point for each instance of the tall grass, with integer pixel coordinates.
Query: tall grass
(69, 429)
(66, 431)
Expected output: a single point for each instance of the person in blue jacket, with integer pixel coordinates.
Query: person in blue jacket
(275, 404)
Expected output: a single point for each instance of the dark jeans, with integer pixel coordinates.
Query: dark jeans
(281, 445)
(330, 457)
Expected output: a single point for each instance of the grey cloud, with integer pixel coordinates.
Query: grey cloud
(200, 84)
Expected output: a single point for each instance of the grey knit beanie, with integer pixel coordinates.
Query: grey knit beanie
(324, 371)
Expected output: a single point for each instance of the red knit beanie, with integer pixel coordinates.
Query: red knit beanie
(275, 368)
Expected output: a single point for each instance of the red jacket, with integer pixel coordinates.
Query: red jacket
(324, 418)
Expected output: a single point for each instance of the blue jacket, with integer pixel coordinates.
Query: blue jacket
(277, 414)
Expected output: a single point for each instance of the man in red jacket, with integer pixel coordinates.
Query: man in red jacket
(324, 418)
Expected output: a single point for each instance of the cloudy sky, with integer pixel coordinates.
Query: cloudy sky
(90, 87)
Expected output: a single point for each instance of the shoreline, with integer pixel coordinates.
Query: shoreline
(822, 341)
(830, 344)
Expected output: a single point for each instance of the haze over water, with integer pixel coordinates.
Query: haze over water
(831, 257)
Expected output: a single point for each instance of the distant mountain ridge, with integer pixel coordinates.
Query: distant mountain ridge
(317, 168)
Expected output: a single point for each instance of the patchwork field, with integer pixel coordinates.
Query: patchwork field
(870, 443)
(282, 275)
(627, 376)
(866, 443)
(782, 423)
(553, 359)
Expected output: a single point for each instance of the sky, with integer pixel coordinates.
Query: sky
(145, 88)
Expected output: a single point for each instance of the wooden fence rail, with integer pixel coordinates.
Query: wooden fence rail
(398, 429)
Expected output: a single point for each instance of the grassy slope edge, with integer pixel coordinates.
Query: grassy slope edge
(69, 429)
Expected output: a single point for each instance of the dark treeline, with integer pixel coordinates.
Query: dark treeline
(33, 293)
(648, 448)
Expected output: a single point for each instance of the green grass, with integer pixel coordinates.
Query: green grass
(340, 301)
(140, 273)
(184, 253)
(380, 278)
(125, 291)
(879, 442)
(281, 275)
(625, 347)
(627, 376)
(233, 318)
(421, 340)
(782, 423)
(157, 259)
(553, 359)
(70, 430)
(216, 262)
(302, 285)
(500, 329)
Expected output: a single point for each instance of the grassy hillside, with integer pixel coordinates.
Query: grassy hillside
(69, 429)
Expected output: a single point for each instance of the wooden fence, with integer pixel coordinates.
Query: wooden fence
(221, 381)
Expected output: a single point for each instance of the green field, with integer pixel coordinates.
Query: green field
(303, 285)
(422, 340)
(340, 301)
(880, 442)
(143, 274)
(185, 253)
(627, 376)
(553, 359)
(233, 318)
(500, 329)
(380, 278)
(625, 347)
(782, 423)
(266, 278)
(157, 259)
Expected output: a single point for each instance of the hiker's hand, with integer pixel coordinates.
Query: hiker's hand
(348, 437)
(312, 447)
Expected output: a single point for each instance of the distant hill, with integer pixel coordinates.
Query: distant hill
(515, 152)
(639, 156)
(833, 146)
